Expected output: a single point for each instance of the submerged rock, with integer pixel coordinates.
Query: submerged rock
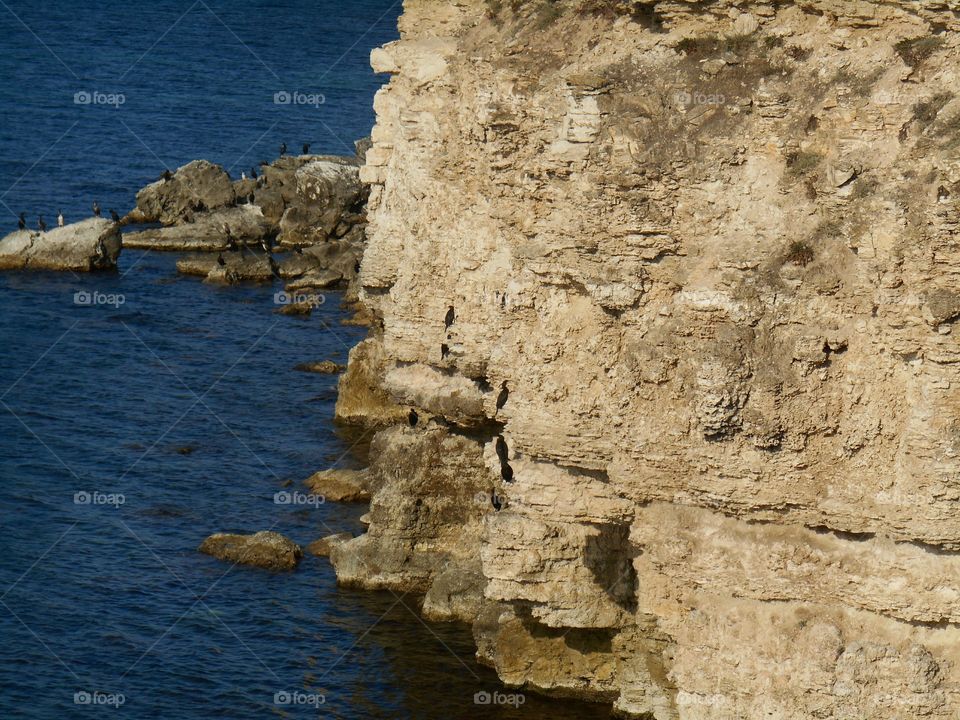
(340, 485)
(93, 244)
(268, 550)
(324, 367)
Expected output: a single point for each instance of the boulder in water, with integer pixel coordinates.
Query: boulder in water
(197, 186)
(267, 550)
(92, 244)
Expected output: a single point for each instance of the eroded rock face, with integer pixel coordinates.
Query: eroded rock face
(93, 244)
(682, 278)
(265, 549)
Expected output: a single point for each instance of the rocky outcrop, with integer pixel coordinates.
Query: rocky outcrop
(267, 550)
(676, 282)
(207, 231)
(314, 204)
(340, 485)
(93, 244)
(323, 546)
(327, 203)
(197, 187)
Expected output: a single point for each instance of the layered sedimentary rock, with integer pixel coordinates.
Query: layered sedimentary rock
(676, 283)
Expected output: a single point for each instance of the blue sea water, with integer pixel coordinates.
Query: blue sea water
(133, 428)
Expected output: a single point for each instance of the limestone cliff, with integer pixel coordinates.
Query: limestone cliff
(672, 287)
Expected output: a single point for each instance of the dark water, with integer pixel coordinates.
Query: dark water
(182, 399)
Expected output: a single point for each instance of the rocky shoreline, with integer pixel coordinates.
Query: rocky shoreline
(660, 376)
(667, 289)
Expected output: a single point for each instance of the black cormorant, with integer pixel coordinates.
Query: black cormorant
(96, 208)
(495, 501)
(283, 149)
(444, 350)
(502, 397)
(412, 417)
(41, 224)
(22, 221)
(450, 317)
(306, 148)
(166, 176)
(253, 173)
(231, 241)
(298, 249)
(114, 216)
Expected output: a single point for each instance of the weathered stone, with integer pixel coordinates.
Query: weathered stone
(93, 244)
(196, 187)
(322, 367)
(267, 550)
(323, 546)
(338, 485)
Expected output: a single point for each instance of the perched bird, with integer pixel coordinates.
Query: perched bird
(413, 418)
(41, 224)
(101, 249)
(220, 261)
(231, 241)
(96, 208)
(114, 215)
(283, 149)
(253, 173)
(306, 148)
(22, 221)
(166, 176)
(265, 246)
(356, 267)
(495, 501)
(449, 318)
(444, 350)
(59, 218)
(502, 451)
(502, 397)
(243, 175)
